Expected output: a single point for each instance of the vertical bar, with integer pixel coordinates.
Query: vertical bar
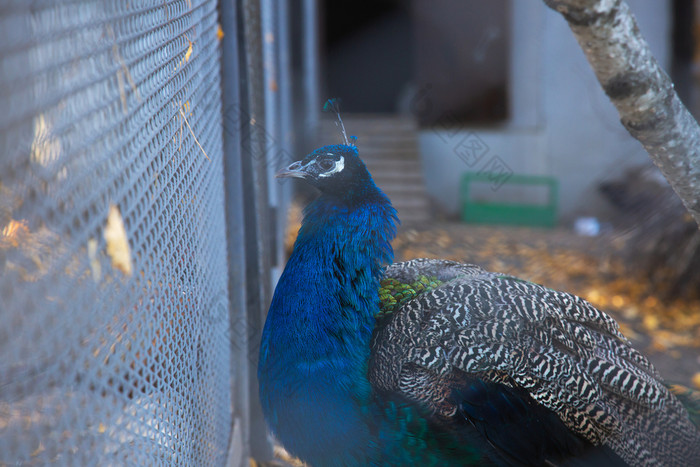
(285, 122)
(278, 79)
(257, 127)
(310, 63)
(270, 12)
(231, 69)
(271, 82)
(256, 205)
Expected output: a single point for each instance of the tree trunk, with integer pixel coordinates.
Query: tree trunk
(643, 93)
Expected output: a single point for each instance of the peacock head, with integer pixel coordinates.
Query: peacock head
(335, 170)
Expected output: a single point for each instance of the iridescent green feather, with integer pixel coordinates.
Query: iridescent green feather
(393, 293)
(690, 398)
(423, 444)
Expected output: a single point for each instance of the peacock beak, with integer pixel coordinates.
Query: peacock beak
(295, 170)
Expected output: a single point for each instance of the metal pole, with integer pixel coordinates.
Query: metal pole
(310, 63)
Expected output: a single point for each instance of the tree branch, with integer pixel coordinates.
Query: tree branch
(643, 94)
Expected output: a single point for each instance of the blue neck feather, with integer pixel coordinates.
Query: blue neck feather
(315, 347)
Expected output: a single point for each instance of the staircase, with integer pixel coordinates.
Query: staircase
(389, 146)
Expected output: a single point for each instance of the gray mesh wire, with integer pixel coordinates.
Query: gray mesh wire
(112, 104)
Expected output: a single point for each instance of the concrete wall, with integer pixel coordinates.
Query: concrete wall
(562, 123)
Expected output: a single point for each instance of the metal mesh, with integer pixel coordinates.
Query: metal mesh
(111, 110)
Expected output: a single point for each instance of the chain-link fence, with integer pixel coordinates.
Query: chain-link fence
(114, 310)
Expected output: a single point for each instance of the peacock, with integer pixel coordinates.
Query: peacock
(430, 362)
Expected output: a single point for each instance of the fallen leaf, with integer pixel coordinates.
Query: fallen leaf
(117, 243)
(592, 295)
(188, 54)
(280, 453)
(696, 380)
(38, 450)
(650, 322)
(13, 232)
(618, 301)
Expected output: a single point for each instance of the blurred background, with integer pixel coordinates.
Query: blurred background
(142, 230)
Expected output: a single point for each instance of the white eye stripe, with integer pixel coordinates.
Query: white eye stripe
(338, 167)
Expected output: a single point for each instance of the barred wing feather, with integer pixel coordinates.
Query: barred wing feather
(559, 350)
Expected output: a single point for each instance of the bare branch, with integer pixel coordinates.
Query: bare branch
(641, 91)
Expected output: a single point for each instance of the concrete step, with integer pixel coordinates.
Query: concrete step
(406, 206)
(404, 178)
(389, 165)
(388, 152)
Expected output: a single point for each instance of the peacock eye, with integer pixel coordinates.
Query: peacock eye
(326, 164)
